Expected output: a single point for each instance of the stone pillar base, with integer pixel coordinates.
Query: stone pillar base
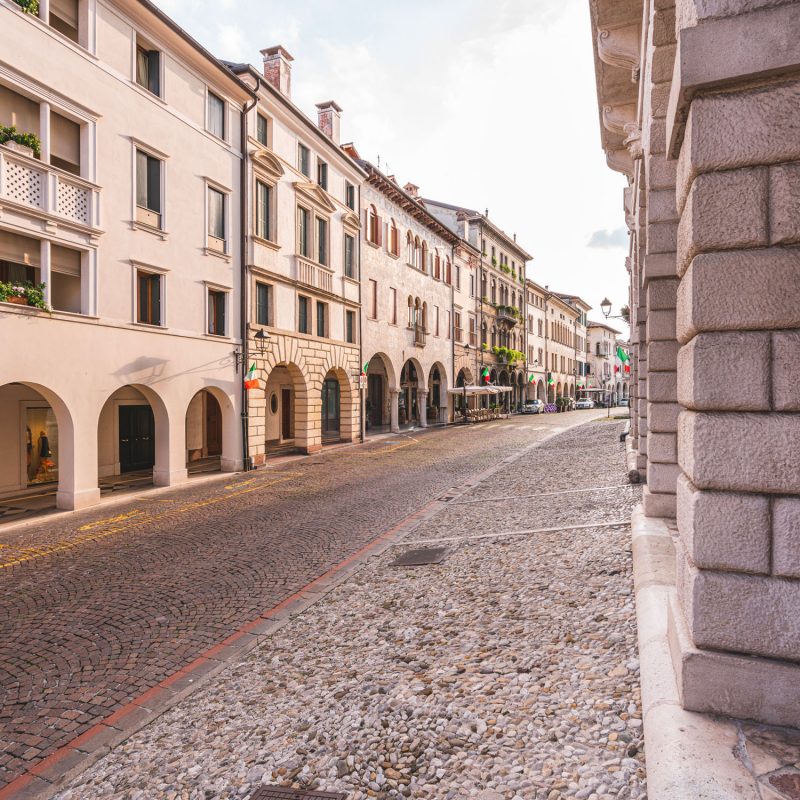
(748, 687)
(72, 501)
(165, 477)
(230, 465)
(311, 448)
(659, 504)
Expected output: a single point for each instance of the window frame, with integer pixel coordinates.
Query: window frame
(267, 140)
(351, 271)
(270, 221)
(350, 326)
(303, 301)
(211, 238)
(372, 299)
(224, 111)
(143, 218)
(304, 149)
(142, 46)
(322, 174)
(321, 311)
(349, 189)
(225, 294)
(141, 272)
(270, 292)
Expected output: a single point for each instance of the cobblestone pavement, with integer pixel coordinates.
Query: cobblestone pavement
(97, 607)
(508, 670)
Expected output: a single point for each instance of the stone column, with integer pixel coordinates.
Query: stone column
(422, 406)
(734, 635)
(394, 411)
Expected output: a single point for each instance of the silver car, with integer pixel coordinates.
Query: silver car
(584, 403)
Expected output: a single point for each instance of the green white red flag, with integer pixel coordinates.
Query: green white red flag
(250, 380)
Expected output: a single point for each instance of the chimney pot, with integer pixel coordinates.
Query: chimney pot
(411, 189)
(278, 69)
(329, 117)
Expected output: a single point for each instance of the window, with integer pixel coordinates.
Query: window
(303, 322)
(373, 226)
(322, 309)
(394, 239)
(322, 240)
(262, 129)
(216, 220)
(148, 71)
(471, 285)
(457, 320)
(322, 174)
(349, 256)
(216, 115)
(149, 305)
(437, 266)
(304, 160)
(372, 299)
(263, 210)
(436, 319)
(350, 195)
(303, 232)
(263, 303)
(350, 326)
(64, 18)
(148, 189)
(447, 328)
(65, 143)
(393, 306)
(472, 332)
(216, 312)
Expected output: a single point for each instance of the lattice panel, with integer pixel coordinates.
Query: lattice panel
(23, 184)
(73, 202)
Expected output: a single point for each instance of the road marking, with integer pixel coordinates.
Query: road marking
(240, 484)
(546, 494)
(527, 532)
(123, 522)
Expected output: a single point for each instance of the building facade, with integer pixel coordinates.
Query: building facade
(705, 133)
(138, 249)
(407, 274)
(601, 356)
(303, 290)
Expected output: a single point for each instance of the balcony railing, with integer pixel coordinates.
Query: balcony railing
(314, 275)
(419, 336)
(30, 183)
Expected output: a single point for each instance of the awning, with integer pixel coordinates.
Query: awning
(472, 391)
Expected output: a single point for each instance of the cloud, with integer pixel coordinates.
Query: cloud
(609, 240)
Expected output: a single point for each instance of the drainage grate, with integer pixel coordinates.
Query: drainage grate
(417, 558)
(284, 793)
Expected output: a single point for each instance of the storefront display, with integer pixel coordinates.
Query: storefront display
(41, 444)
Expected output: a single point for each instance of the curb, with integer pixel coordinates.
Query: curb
(689, 756)
(52, 774)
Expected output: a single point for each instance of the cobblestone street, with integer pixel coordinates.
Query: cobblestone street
(99, 607)
(508, 670)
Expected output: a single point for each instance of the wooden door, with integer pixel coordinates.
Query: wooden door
(286, 413)
(213, 426)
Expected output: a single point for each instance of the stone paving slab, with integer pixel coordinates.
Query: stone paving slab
(98, 607)
(509, 670)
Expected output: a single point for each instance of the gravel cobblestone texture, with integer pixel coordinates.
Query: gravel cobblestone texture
(99, 606)
(507, 671)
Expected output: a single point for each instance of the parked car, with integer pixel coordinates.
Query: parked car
(584, 403)
(533, 407)
(623, 402)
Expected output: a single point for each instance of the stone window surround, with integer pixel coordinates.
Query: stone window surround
(140, 266)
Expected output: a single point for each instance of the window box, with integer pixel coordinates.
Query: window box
(148, 217)
(216, 245)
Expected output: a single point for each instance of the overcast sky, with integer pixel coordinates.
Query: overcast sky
(482, 104)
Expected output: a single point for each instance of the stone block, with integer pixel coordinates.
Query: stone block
(658, 265)
(724, 211)
(740, 451)
(661, 325)
(785, 385)
(661, 207)
(757, 126)
(658, 504)
(740, 290)
(662, 294)
(662, 356)
(663, 417)
(664, 27)
(740, 613)
(784, 204)
(662, 477)
(659, 99)
(657, 137)
(662, 387)
(738, 686)
(724, 530)
(662, 173)
(786, 536)
(662, 237)
(706, 381)
(663, 63)
(663, 448)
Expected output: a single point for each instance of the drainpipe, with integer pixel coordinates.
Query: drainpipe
(243, 293)
(452, 332)
(361, 392)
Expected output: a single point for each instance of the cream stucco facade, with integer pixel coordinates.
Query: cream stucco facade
(129, 217)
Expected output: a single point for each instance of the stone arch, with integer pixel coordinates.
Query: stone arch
(412, 386)
(540, 392)
(212, 431)
(437, 396)
(335, 360)
(284, 402)
(381, 386)
(52, 459)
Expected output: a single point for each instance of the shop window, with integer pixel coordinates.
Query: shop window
(41, 445)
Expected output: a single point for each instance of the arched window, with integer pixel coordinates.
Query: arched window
(411, 314)
(448, 271)
(424, 265)
(417, 253)
(410, 248)
(494, 336)
(424, 319)
(513, 298)
(394, 239)
(373, 225)
(437, 266)
(494, 291)
(483, 334)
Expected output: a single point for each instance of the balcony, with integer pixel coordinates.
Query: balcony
(507, 315)
(314, 275)
(419, 336)
(29, 183)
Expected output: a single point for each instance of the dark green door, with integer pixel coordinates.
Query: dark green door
(136, 438)
(330, 409)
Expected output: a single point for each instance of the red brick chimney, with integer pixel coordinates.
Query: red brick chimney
(329, 117)
(278, 69)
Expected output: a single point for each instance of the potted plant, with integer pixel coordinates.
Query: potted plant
(27, 294)
(494, 261)
(29, 6)
(27, 143)
(485, 346)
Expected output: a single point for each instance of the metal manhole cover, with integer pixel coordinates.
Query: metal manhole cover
(417, 558)
(285, 793)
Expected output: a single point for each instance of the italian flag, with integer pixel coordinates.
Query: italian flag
(485, 374)
(250, 380)
(623, 356)
(365, 368)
